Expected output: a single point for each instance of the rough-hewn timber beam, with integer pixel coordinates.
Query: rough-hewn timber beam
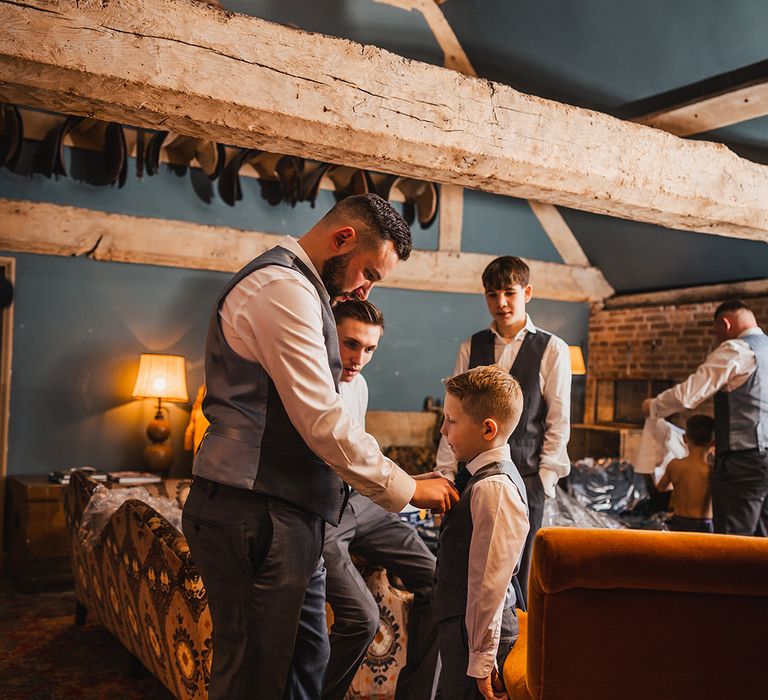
(691, 295)
(451, 218)
(454, 56)
(197, 70)
(53, 229)
(560, 234)
(725, 99)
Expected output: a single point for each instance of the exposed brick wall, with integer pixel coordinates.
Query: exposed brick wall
(652, 342)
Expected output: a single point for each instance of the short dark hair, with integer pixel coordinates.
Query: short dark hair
(700, 429)
(488, 391)
(504, 272)
(381, 221)
(359, 310)
(732, 305)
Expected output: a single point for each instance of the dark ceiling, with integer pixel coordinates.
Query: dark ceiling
(600, 54)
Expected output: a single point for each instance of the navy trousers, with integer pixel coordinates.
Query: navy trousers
(679, 523)
(454, 683)
(382, 539)
(535, 494)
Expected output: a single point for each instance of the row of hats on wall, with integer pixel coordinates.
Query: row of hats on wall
(282, 178)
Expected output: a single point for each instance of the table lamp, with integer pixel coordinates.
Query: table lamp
(160, 377)
(577, 360)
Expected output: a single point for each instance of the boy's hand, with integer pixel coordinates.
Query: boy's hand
(437, 493)
(486, 688)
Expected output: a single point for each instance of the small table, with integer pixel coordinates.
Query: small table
(36, 530)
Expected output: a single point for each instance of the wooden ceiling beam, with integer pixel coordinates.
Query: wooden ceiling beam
(723, 100)
(560, 234)
(691, 295)
(197, 70)
(54, 229)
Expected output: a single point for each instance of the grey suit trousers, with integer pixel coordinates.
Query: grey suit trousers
(259, 558)
(382, 539)
(740, 493)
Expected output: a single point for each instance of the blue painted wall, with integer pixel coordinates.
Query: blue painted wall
(79, 328)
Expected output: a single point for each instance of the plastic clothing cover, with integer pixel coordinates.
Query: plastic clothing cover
(606, 485)
(611, 487)
(565, 511)
(104, 502)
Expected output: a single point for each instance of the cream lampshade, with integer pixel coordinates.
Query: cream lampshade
(577, 360)
(160, 377)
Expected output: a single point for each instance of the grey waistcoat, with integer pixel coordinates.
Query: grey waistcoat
(741, 416)
(251, 443)
(528, 437)
(455, 537)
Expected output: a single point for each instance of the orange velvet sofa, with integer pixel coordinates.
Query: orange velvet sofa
(639, 615)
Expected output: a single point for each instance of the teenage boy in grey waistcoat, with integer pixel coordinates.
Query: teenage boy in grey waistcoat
(541, 364)
(736, 374)
(481, 538)
(382, 538)
(270, 471)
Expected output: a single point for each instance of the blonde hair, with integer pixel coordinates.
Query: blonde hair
(488, 392)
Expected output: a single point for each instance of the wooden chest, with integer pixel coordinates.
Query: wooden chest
(38, 542)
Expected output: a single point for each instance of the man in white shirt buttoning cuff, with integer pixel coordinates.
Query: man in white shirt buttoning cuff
(272, 466)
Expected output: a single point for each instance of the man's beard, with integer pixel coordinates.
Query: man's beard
(334, 274)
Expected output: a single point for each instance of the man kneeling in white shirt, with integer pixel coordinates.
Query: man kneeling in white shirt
(381, 538)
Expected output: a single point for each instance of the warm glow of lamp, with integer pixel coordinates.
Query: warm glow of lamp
(160, 377)
(577, 360)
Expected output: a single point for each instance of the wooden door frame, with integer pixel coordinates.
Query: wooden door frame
(6, 349)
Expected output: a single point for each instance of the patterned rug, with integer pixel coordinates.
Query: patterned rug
(44, 656)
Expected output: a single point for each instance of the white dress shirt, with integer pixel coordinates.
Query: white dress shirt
(274, 317)
(555, 382)
(499, 528)
(355, 395)
(727, 367)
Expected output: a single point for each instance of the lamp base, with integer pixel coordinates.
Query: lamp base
(159, 429)
(158, 455)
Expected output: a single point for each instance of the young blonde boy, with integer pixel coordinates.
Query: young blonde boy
(690, 478)
(482, 536)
